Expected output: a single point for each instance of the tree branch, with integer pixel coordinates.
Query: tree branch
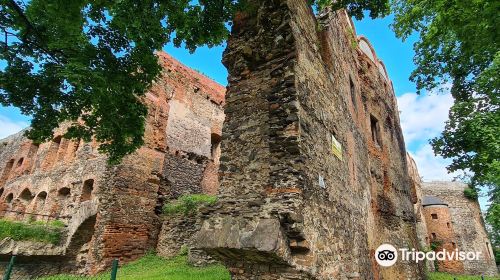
(30, 28)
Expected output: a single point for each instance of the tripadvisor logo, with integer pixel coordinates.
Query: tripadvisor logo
(387, 255)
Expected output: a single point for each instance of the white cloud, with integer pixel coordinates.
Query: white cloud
(431, 167)
(9, 127)
(422, 118)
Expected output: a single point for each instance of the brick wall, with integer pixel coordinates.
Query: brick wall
(467, 224)
(184, 117)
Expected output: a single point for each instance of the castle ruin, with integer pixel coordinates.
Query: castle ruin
(304, 150)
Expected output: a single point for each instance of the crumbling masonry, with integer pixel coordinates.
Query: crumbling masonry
(311, 160)
(314, 170)
(114, 211)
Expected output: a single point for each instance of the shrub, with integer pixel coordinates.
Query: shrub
(188, 204)
(471, 193)
(35, 231)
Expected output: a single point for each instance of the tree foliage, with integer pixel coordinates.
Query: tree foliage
(89, 63)
(459, 44)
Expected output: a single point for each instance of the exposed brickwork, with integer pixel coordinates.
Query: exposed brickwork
(286, 199)
(458, 225)
(113, 211)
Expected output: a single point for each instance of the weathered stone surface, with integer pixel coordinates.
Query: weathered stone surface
(113, 211)
(457, 224)
(294, 82)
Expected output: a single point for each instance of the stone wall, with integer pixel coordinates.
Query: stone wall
(423, 239)
(114, 211)
(290, 206)
(466, 226)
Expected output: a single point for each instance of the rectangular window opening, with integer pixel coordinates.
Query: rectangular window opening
(375, 128)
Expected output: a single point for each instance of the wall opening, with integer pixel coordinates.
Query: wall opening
(41, 197)
(433, 235)
(1, 191)
(215, 140)
(434, 216)
(40, 202)
(64, 192)
(81, 237)
(454, 245)
(20, 162)
(88, 187)
(488, 249)
(26, 196)
(448, 225)
(352, 89)
(9, 198)
(375, 128)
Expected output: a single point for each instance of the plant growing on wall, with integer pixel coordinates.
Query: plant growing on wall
(471, 193)
(188, 204)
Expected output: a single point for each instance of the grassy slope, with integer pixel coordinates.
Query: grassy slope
(446, 276)
(34, 231)
(156, 268)
(152, 267)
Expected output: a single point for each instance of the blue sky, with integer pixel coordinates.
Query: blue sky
(422, 117)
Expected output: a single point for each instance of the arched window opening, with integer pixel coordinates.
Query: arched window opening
(20, 162)
(88, 187)
(64, 192)
(215, 140)
(26, 196)
(9, 198)
(41, 197)
(57, 140)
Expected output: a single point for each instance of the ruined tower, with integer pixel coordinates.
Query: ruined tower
(455, 222)
(314, 175)
(114, 211)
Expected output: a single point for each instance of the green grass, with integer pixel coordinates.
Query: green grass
(446, 276)
(187, 204)
(152, 267)
(33, 231)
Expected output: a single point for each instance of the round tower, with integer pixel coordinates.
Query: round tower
(441, 235)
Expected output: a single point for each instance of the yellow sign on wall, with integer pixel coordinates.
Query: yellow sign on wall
(336, 147)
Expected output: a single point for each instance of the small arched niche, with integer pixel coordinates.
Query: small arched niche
(41, 197)
(63, 193)
(215, 140)
(1, 191)
(9, 198)
(88, 188)
(26, 196)
(20, 162)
